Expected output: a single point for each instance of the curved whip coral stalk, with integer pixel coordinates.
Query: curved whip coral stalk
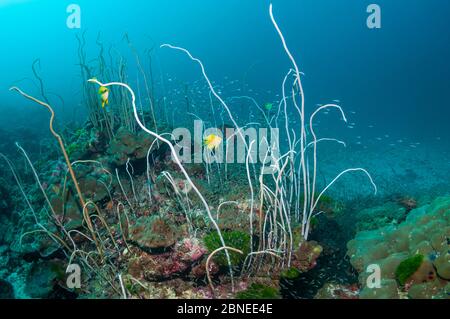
(339, 176)
(261, 252)
(58, 137)
(63, 149)
(300, 86)
(19, 184)
(208, 260)
(252, 194)
(313, 133)
(177, 161)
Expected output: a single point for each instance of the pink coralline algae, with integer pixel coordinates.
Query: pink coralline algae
(165, 265)
(190, 249)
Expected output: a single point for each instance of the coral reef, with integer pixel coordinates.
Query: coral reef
(6, 290)
(153, 267)
(389, 213)
(305, 257)
(337, 291)
(142, 222)
(413, 256)
(152, 233)
(129, 146)
(5, 198)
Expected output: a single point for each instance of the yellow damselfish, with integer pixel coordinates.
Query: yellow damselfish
(212, 141)
(104, 95)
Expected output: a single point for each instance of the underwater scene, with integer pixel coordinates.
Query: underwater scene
(224, 149)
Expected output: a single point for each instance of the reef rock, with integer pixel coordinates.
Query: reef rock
(93, 188)
(390, 213)
(6, 290)
(153, 233)
(305, 257)
(337, 291)
(127, 145)
(42, 278)
(166, 265)
(5, 202)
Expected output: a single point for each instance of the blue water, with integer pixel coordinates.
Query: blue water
(394, 78)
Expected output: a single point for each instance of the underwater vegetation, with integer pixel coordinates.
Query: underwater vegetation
(407, 268)
(258, 291)
(117, 202)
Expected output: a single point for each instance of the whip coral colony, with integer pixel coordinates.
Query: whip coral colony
(291, 173)
(221, 147)
(140, 206)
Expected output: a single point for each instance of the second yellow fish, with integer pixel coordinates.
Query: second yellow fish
(104, 95)
(212, 141)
